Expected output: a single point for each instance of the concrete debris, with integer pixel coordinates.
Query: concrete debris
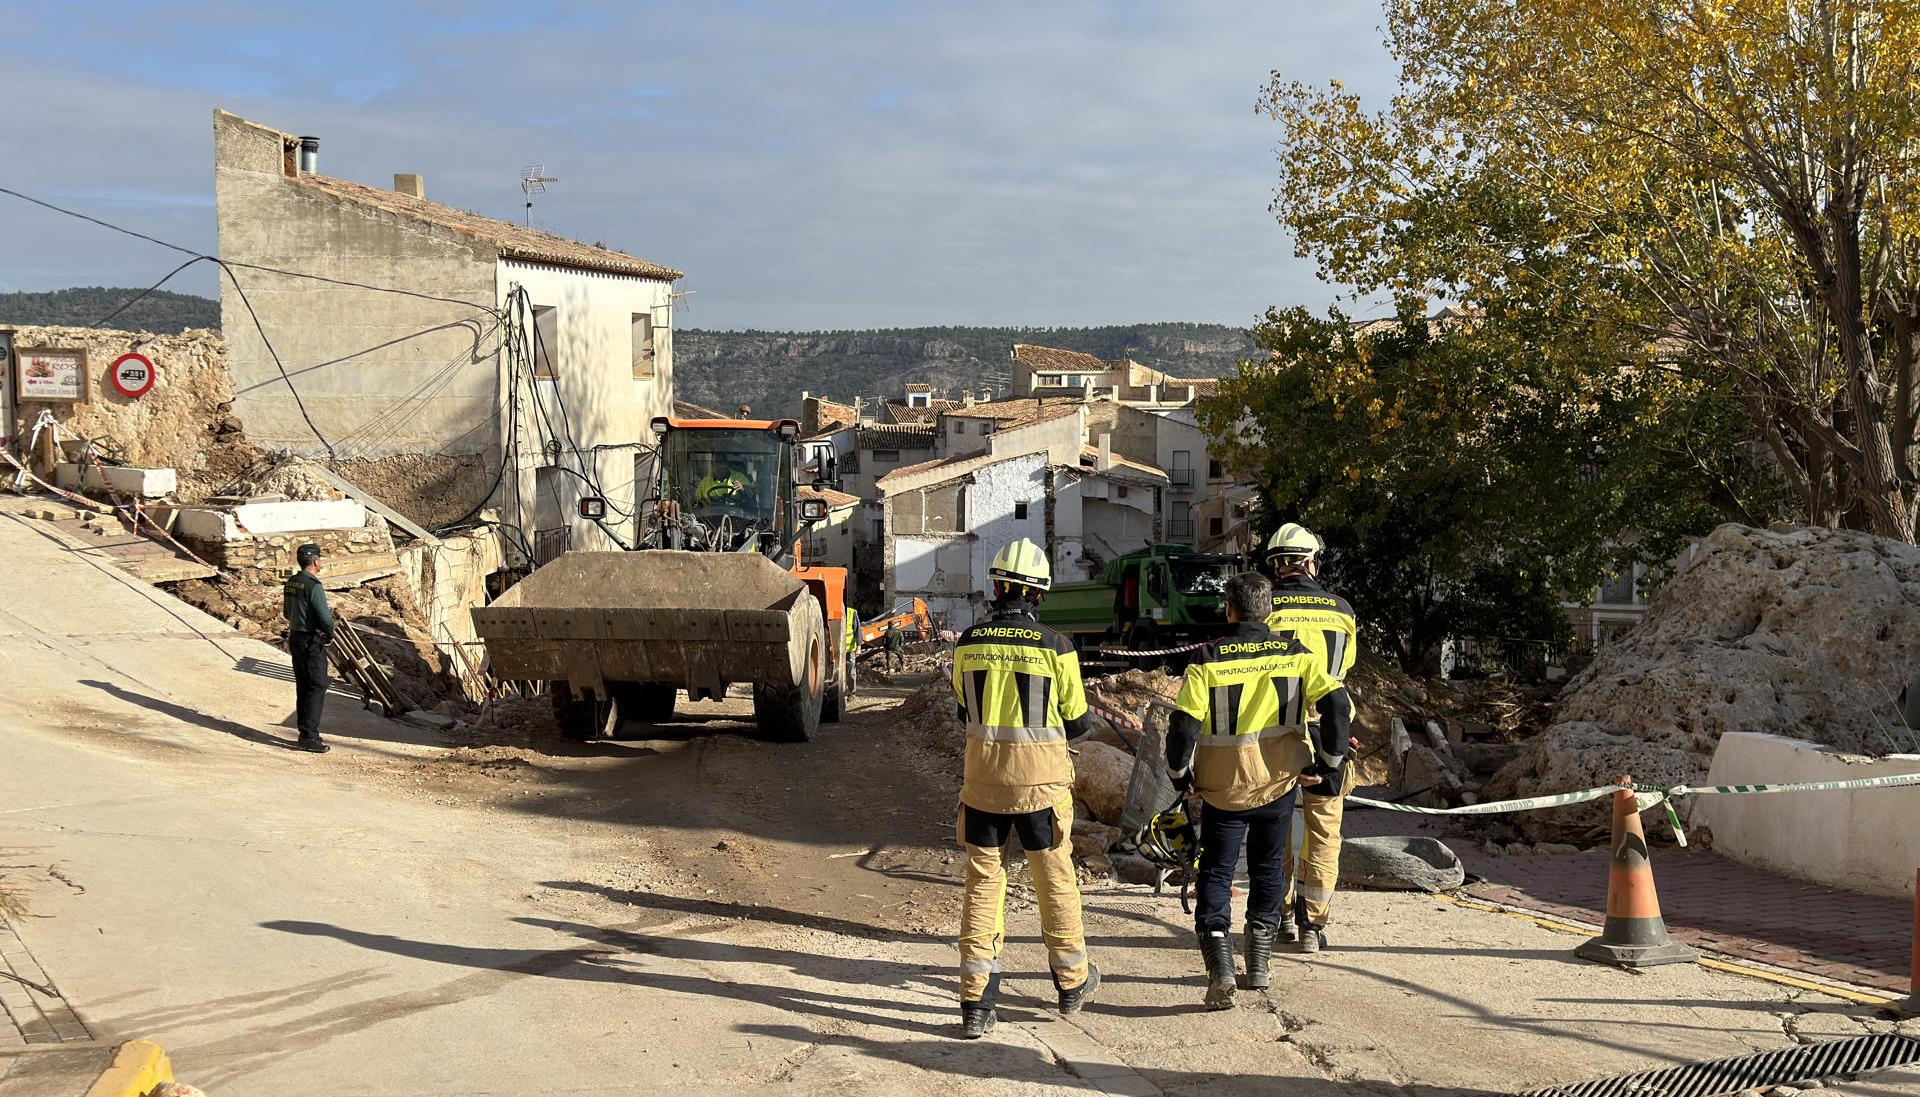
(1806, 633)
(431, 720)
(1101, 775)
(1091, 839)
(1400, 864)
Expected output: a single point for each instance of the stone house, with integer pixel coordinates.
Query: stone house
(389, 346)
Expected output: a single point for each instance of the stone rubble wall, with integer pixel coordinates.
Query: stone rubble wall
(1807, 634)
(270, 558)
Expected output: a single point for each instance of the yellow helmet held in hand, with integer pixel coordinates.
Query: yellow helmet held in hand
(1293, 540)
(1022, 562)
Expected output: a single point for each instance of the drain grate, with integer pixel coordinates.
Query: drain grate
(1837, 1059)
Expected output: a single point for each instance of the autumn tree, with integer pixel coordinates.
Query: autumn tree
(1470, 475)
(1724, 191)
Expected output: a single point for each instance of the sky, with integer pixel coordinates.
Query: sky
(810, 165)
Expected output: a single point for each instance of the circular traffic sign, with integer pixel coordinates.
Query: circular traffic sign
(132, 374)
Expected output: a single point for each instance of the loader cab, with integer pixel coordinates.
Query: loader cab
(726, 485)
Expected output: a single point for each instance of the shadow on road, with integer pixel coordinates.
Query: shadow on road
(188, 716)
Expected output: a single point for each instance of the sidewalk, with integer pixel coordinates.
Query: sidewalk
(1708, 902)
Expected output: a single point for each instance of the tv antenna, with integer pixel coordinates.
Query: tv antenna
(534, 180)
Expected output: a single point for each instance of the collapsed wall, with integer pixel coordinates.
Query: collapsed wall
(1804, 633)
(185, 422)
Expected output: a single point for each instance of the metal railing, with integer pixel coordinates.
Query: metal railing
(1177, 528)
(1180, 478)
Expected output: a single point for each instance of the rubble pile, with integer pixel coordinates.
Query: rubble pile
(1804, 633)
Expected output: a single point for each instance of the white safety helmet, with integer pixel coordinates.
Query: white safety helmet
(1024, 563)
(1293, 540)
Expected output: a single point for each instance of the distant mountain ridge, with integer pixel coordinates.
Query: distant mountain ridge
(161, 312)
(767, 370)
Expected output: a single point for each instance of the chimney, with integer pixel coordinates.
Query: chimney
(409, 184)
(745, 410)
(309, 155)
(1104, 462)
(966, 399)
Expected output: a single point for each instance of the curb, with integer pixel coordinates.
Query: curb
(138, 1067)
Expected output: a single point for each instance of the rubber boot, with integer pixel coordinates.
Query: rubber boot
(1313, 938)
(1259, 951)
(1072, 1000)
(1287, 932)
(1216, 948)
(976, 1020)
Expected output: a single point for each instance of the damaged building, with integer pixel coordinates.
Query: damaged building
(388, 357)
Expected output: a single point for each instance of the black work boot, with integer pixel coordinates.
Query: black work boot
(1072, 1000)
(1216, 948)
(976, 1020)
(1259, 950)
(1312, 938)
(1287, 932)
(311, 744)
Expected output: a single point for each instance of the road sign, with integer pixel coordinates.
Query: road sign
(132, 374)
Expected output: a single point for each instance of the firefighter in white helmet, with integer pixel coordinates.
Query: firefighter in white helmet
(1020, 694)
(1324, 623)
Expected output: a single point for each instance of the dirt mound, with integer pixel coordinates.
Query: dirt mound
(1806, 633)
(930, 718)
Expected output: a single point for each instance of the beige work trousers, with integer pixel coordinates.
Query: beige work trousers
(983, 908)
(1317, 872)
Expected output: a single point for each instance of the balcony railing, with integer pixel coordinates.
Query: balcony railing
(1180, 478)
(1178, 529)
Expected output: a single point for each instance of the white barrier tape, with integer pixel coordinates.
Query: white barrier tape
(1646, 796)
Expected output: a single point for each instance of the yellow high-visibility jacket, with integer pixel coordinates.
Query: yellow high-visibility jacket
(1322, 621)
(1239, 732)
(1020, 693)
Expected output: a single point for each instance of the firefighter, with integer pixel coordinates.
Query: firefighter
(1237, 740)
(1324, 624)
(1019, 690)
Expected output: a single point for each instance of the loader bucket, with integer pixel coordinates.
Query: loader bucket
(689, 619)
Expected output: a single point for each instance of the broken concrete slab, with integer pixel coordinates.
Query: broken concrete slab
(1400, 864)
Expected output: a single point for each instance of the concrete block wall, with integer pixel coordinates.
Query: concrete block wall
(1863, 841)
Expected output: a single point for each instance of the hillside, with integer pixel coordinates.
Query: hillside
(765, 369)
(161, 312)
(769, 369)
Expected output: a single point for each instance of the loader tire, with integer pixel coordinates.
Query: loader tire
(790, 712)
(582, 717)
(833, 707)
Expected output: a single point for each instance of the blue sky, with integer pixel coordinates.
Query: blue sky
(863, 163)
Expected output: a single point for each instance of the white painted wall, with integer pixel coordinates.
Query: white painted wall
(1864, 841)
(593, 377)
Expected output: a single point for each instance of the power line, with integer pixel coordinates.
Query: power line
(261, 328)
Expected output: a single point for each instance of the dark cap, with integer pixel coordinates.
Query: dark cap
(307, 553)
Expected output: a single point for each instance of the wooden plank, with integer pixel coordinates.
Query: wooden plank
(335, 481)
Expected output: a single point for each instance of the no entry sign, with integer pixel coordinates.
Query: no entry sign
(132, 374)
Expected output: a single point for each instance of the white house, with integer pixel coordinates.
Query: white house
(365, 326)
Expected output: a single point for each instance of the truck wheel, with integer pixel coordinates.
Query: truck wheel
(583, 717)
(646, 702)
(790, 712)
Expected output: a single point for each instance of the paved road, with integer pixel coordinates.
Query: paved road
(293, 926)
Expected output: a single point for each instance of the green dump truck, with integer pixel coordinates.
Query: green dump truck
(1158, 597)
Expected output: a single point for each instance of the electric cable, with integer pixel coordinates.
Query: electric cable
(261, 328)
(143, 294)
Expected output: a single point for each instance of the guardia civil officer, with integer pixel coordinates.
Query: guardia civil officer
(1237, 740)
(1019, 689)
(1324, 624)
(309, 628)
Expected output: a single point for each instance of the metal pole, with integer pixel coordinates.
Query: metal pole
(1913, 978)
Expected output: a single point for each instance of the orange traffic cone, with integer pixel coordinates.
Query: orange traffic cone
(1634, 935)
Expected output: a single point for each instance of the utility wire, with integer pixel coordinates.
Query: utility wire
(143, 294)
(261, 328)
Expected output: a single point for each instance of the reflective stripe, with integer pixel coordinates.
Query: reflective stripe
(1336, 653)
(975, 966)
(1224, 714)
(1282, 731)
(1331, 760)
(1314, 894)
(1066, 961)
(994, 734)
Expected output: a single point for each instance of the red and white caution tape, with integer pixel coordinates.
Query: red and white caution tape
(1154, 651)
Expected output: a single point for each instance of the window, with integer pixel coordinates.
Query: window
(1120, 492)
(986, 429)
(1216, 526)
(886, 457)
(959, 426)
(919, 399)
(1020, 512)
(1214, 471)
(1182, 520)
(546, 339)
(642, 346)
(1181, 472)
